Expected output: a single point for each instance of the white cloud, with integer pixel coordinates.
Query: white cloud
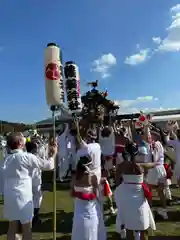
(145, 99)
(131, 106)
(138, 58)
(156, 40)
(171, 43)
(144, 110)
(129, 103)
(176, 8)
(103, 64)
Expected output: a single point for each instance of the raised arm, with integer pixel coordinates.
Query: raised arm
(147, 165)
(44, 164)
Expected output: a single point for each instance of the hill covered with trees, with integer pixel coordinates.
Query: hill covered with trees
(13, 127)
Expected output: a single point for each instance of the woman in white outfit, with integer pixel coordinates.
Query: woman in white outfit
(156, 177)
(85, 191)
(131, 196)
(175, 143)
(17, 172)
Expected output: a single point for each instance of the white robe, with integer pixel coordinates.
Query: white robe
(17, 172)
(36, 187)
(41, 151)
(37, 179)
(135, 212)
(108, 148)
(158, 173)
(107, 143)
(94, 151)
(71, 150)
(62, 156)
(85, 220)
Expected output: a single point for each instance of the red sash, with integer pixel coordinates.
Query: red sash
(106, 189)
(146, 190)
(119, 148)
(84, 196)
(169, 172)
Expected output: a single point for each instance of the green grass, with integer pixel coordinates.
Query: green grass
(166, 229)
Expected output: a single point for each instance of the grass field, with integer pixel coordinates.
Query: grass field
(168, 229)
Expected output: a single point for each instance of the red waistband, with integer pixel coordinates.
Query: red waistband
(84, 196)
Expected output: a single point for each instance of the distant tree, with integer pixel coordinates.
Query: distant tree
(6, 127)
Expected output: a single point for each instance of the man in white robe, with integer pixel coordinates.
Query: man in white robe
(62, 156)
(17, 172)
(107, 144)
(71, 149)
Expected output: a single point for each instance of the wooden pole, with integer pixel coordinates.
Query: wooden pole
(54, 177)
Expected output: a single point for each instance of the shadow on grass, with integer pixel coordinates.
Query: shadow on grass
(174, 186)
(115, 236)
(110, 221)
(64, 223)
(3, 228)
(59, 186)
(163, 238)
(62, 238)
(173, 216)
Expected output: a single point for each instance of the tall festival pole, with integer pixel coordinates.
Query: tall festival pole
(54, 98)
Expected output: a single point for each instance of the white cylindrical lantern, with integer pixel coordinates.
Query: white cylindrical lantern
(53, 75)
(71, 72)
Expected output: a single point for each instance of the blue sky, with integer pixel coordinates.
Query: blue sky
(132, 47)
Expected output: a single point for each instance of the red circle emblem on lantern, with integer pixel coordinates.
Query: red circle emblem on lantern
(142, 118)
(52, 71)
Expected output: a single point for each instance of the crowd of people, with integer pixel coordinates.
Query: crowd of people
(114, 162)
